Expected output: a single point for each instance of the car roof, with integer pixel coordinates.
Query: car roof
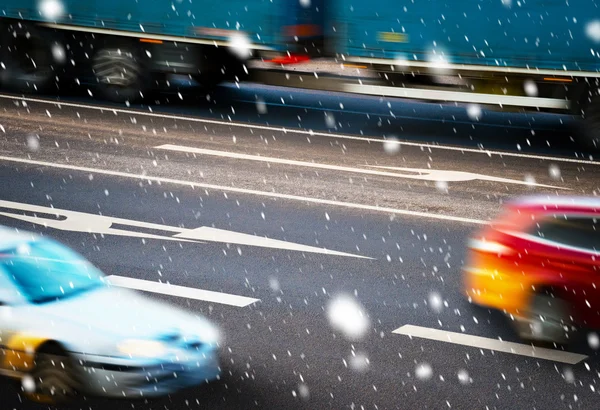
(541, 203)
(11, 237)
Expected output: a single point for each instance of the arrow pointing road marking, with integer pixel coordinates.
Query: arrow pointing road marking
(415, 173)
(180, 291)
(100, 224)
(458, 176)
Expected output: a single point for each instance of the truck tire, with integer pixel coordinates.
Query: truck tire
(119, 73)
(27, 60)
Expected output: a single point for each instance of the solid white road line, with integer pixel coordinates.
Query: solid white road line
(458, 96)
(180, 291)
(301, 132)
(490, 344)
(415, 173)
(319, 201)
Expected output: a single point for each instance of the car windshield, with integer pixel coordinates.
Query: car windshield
(46, 271)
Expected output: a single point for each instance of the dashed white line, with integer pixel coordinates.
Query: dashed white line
(305, 199)
(490, 344)
(180, 291)
(302, 132)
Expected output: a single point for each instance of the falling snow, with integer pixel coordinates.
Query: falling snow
(593, 340)
(474, 112)
(423, 371)
(391, 145)
(33, 142)
(346, 315)
(51, 9)
(554, 171)
(592, 30)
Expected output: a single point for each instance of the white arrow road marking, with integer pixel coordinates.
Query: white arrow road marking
(83, 222)
(266, 194)
(180, 291)
(99, 224)
(209, 234)
(459, 176)
(416, 173)
(490, 344)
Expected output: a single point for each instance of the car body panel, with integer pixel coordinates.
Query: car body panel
(511, 259)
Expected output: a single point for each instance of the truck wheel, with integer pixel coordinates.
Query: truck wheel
(27, 61)
(119, 74)
(547, 320)
(54, 378)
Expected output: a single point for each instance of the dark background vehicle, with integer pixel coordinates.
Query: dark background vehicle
(537, 55)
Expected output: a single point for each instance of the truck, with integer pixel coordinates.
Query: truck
(130, 46)
(540, 55)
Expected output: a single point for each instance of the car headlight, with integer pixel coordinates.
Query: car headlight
(142, 348)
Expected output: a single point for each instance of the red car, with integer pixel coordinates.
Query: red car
(540, 263)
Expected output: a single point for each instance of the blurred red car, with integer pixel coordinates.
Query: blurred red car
(539, 262)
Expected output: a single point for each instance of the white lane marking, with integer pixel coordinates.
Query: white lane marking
(490, 344)
(458, 96)
(209, 234)
(457, 176)
(103, 225)
(191, 184)
(417, 173)
(302, 132)
(180, 291)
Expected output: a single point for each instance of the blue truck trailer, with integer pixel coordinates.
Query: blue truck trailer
(525, 54)
(512, 54)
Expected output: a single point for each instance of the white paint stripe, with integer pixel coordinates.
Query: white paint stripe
(456, 176)
(490, 344)
(74, 221)
(319, 201)
(162, 37)
(180, 291)
(458, 96)
(301, 132)
(415, 173)
(474, 67)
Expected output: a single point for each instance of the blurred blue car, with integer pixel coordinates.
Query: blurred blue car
(66, 331)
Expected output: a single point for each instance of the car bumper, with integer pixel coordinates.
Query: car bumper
(120, 378)
(490, 288)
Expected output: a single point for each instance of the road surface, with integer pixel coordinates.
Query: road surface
(281, 203)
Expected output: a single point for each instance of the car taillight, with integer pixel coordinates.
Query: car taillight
(490, 247)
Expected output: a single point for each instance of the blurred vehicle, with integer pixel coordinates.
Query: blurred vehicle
(121, 49)
(534, 55)
(540, 263)
(66, 331)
